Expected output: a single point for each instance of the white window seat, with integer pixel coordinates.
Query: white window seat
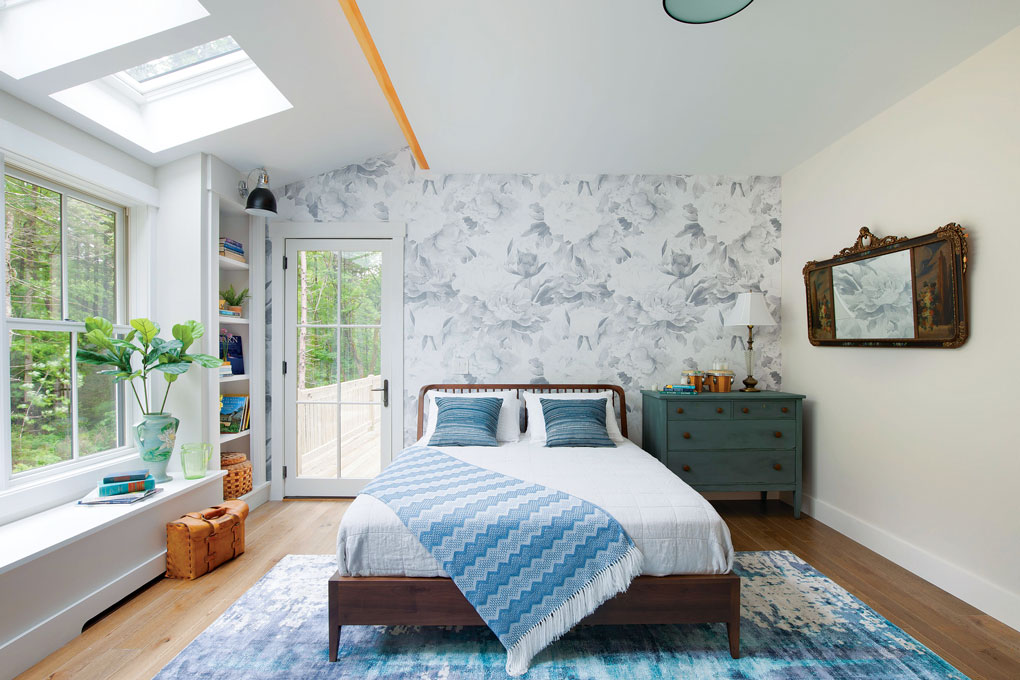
(61, 567)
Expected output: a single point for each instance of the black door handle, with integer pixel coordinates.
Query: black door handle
(385, 389)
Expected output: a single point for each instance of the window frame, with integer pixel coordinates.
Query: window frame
(9, 480)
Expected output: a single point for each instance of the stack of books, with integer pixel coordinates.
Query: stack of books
(226, 370)
(232, 249)
(233, 413)
(678, 389)
(122, 488)
(227, 312)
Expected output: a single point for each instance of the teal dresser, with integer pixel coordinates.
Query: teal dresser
(732, 441)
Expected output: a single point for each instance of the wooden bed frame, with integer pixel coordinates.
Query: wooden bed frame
(394, 601)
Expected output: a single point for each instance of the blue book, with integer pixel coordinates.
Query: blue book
(118, 488)
(236, 249)
(131, 476)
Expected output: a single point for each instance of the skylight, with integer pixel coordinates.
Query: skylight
(37, 35)
(182, 60)
(180, 97)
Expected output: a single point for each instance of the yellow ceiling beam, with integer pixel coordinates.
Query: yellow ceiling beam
(360, 29)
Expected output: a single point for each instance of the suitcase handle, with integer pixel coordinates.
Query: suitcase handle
(212, 513)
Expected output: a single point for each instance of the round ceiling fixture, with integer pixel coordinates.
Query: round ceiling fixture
(703, 11)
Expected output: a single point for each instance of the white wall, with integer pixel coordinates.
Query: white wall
(914, 452)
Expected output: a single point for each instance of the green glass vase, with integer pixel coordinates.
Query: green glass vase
(154, 437)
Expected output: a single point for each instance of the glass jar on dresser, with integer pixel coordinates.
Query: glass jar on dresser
(728, 441)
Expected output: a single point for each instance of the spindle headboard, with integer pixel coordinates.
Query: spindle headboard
(619, 400)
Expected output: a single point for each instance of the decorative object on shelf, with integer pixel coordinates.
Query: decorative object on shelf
(195, 459)
(155, 434)
(261, 201)
(703, 11)
(718, 380)
(199, 542)
(233, 413)
(231, 351)
(238, 480)
(891, 292)
(693, 377)
(234, 299)
(750, 311)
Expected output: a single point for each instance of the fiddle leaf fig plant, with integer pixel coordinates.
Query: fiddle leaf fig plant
(98, 346)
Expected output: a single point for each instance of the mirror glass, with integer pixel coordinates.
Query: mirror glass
(873, 297)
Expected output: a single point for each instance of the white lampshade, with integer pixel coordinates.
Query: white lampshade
(750, 310)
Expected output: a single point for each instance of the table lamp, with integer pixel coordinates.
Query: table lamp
(750, 311)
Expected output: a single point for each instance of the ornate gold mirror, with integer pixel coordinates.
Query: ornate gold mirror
(891, 292)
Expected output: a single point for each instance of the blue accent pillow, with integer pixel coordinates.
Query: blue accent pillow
(575, 422)
(466, 422)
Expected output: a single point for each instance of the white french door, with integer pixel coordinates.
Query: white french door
(343, 302)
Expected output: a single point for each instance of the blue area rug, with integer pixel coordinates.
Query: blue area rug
(796, 623)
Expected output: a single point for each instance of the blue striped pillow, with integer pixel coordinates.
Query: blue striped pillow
(575, 422)
(466, 422)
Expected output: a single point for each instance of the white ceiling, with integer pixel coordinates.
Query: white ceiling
(617, 86)
(560, 86)
(309, 52)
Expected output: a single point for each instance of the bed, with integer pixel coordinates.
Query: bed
(386, 577)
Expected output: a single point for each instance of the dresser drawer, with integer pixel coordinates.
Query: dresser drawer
(771, 408)
(749, 434)
(734, 467)
(700, 410)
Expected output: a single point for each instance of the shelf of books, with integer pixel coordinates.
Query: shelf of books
(239, 264)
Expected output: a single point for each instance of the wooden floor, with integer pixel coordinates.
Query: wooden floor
(139, 636)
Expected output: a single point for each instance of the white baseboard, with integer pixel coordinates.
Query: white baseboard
(65, 625)
(979, 592)
(257, 496)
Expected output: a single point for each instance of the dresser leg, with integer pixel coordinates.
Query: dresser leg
(797, 494)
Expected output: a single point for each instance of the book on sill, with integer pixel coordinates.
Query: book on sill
(123, 499)
(118, 488)
(233, 413)
(129, 476)
(233, 256)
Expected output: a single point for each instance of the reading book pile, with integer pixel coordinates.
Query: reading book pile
(232, 249)
(233, 413)
(122, 488)
(678, 389)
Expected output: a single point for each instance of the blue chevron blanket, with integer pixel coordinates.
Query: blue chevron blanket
(531, 560)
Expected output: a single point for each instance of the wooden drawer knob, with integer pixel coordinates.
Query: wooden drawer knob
(777, 466)
(746, 410)
(785, 410)
(687, 435)
(687, 468)
(778, 434)
(719, 410)
(680, 410)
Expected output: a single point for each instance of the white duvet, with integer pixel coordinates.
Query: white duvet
(677, 530)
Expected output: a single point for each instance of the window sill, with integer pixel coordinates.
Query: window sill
(38, 493)
(32, 537)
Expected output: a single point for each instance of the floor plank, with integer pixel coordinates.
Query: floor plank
(140, 635)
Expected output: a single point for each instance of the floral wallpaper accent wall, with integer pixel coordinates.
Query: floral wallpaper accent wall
(565, 278)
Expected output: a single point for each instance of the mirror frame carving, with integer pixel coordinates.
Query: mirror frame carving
(867, 246)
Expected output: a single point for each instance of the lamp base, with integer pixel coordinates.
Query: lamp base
(749, 385)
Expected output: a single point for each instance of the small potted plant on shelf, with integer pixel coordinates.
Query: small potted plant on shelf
(234, 300)
(157, 431)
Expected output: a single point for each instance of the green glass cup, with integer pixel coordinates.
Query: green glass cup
(195, 459)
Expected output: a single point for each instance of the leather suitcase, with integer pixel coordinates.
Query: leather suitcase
(199, 542)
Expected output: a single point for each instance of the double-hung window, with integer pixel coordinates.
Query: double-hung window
(64, 262)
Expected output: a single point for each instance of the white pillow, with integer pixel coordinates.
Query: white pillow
(508, 428)
(536, 420)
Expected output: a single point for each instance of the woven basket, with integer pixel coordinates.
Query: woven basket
(231, 458)
(237, 481)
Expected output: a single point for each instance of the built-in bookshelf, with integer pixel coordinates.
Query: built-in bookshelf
(230, 221)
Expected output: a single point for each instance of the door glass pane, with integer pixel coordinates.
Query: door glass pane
(362, 287)
(360, 353)
(98, 429)
(316, 357)
(361, 441)
(317, 286)
(317, 440)
(40, 399)
(91, 261)
(33, 250)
